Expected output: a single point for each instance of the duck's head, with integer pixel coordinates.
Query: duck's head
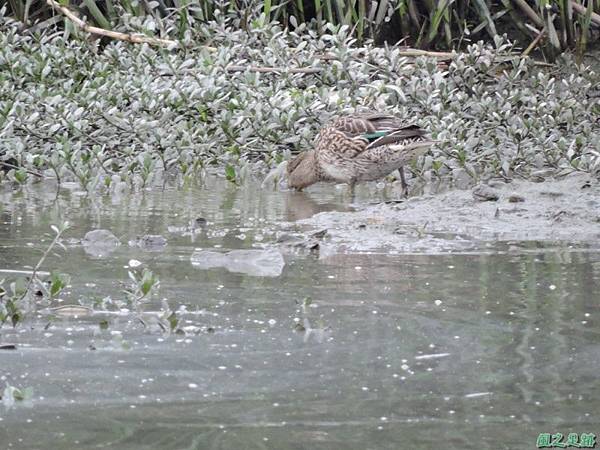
(302, 170)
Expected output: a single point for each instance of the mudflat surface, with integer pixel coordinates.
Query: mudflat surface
(553, 210)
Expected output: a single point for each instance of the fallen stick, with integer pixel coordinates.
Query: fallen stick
(534, 43)
(415, 53)
(134, 38)
(306, 70)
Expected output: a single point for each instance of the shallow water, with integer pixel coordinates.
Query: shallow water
(460, 350)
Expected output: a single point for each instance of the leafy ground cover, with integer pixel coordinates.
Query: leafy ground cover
(101, 112)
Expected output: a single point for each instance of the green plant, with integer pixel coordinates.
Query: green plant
(143, 283)
(24, 294)
(12, 394)
(132, 115)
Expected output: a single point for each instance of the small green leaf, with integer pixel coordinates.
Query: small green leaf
(148, 282)
(58, 281)
(21, 176)
(25, 394)
(15, 318)
(146, 287)
(173, 321)
(230, 173)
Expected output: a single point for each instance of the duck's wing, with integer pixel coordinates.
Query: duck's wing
(358, 124)
(408, 134)
(351, 135)
(367, 131)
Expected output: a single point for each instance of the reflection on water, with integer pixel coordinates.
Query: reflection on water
(301, 205)
(364, 351)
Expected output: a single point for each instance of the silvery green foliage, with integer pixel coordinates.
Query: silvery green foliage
(80, 111)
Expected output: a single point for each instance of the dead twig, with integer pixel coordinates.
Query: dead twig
(415, 53)
(133, 38)
(305, 70)
(534, 43)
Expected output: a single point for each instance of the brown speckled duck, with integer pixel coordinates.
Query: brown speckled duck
(355, 148)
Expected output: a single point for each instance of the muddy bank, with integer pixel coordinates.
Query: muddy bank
(565, 210)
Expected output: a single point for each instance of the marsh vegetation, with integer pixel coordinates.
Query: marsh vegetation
(103, 113)
(141, 255)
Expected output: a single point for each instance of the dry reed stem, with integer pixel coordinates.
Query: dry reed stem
(580, 9)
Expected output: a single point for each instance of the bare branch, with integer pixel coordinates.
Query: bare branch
(134, 38)
(534, 43)
(305, 70)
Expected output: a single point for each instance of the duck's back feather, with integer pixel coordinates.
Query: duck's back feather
(358, 124)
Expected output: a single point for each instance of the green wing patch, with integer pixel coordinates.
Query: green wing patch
(375, 135)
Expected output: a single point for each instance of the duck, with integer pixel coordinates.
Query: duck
(357, 148)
